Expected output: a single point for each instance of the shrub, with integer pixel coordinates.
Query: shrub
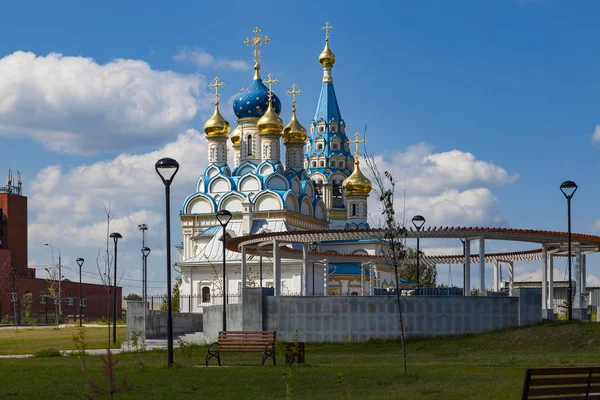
(48, 352)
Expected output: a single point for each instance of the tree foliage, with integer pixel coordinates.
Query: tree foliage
(133, 297)
(427, 272)
(175, 299)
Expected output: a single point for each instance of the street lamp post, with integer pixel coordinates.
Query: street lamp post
(59, 275)
(418, 221)
(569, 188)
(80, 263)
(313, 247)
(224, 216)
(169, 167)
(145, 253)
(115, 236)
(143, 228)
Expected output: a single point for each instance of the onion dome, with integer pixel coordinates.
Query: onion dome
(327, 58)
(216, 125)
(357, 183)
(235, 136)
(294, 132)
(254, 101)
(270, 122)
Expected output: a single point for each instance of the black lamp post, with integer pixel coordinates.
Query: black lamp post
(418, 221)
(169, 168)
(145, 252)
(313, 247)
(224, 216)
(116, 236)
(80, 262)
(143, 228)
(569, 188)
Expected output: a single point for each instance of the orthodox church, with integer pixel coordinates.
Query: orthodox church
(319, 186)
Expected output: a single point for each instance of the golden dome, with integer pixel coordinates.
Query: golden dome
(216, 125)
(327, 58)
(357, 183)
(294, 132)
(235, 136)
(270, 122)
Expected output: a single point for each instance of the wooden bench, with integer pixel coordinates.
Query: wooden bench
(562, 383)
(243, 341)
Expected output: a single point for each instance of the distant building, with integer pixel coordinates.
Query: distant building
(17, 279)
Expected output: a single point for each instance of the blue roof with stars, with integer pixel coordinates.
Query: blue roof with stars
(253, 102)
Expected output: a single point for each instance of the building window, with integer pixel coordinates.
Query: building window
(206, 294)
(249, 144)
(354, 209)
(321, 129)
(322, 164)
(334, 146)
(332, 163)
(1, 214)
(319, 146)
(313, 164)
(43, 298)
(70, 297)
(83, 302)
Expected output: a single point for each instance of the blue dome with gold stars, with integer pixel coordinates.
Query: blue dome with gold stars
(253, 102)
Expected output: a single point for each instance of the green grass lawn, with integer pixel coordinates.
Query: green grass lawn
(28, 341)
(489, 366)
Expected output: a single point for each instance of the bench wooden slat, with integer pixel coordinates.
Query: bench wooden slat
(564, 371)
(568, 397)
(580, 389)
(575, 380)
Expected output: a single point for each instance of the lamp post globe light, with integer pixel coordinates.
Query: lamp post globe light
(115, 236)
(59, 275)
(418, 221)
(167, 168)
(568, 188)
(80, 262)
(145, 253)
(224, 216)
(313, 247)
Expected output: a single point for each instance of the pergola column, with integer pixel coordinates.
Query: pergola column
(496, 277)
(583, 272)
(551, 284)
(467, 289)
(325, 278)
(511, 277)
(276, 269)
(362, 279)
(544, 280)
(303, 278)
(372, 279)
(481, 265)
(243, 267)
(578, 291)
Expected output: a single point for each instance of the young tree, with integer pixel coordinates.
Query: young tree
(52, 277)
(393, 242)
(427, 272)
(175, 299)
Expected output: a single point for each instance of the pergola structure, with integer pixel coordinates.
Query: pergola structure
(549, 244)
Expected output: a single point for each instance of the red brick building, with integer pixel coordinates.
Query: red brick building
(17, 280)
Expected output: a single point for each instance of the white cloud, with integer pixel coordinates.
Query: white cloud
(203, 59)
(448, 188)
(596, 134)
(73, 104)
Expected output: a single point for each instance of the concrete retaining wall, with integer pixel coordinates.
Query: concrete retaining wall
(358, 318)
(155, 322)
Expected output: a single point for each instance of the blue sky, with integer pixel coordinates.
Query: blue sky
(514, 83)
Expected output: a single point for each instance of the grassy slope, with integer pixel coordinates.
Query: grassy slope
(489, 366)
(28, 341)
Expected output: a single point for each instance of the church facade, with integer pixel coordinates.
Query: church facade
(313, 183)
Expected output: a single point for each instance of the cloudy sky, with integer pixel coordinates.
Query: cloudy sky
(479, 110)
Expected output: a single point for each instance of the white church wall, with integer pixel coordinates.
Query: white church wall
(201, 206)
(267, 203)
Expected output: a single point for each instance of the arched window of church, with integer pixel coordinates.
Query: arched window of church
(322, 163)
(332, 163)
(249, 144)
(313, 164)
(321, 129)
(206, 294)
(354, 209)
(319, 146)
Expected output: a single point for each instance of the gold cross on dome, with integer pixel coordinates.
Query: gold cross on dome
(293, 93)
(216, 86)
(326, 28)
(257, 40)
(356, 142)
(270, 82)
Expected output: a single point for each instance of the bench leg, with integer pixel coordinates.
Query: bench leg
(268, 354)
(211, 354)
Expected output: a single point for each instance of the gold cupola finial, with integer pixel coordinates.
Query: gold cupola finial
(294, 132)
(327, 58)
(357, 184)
(270, 122)
(256, 41)
(216, 125)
